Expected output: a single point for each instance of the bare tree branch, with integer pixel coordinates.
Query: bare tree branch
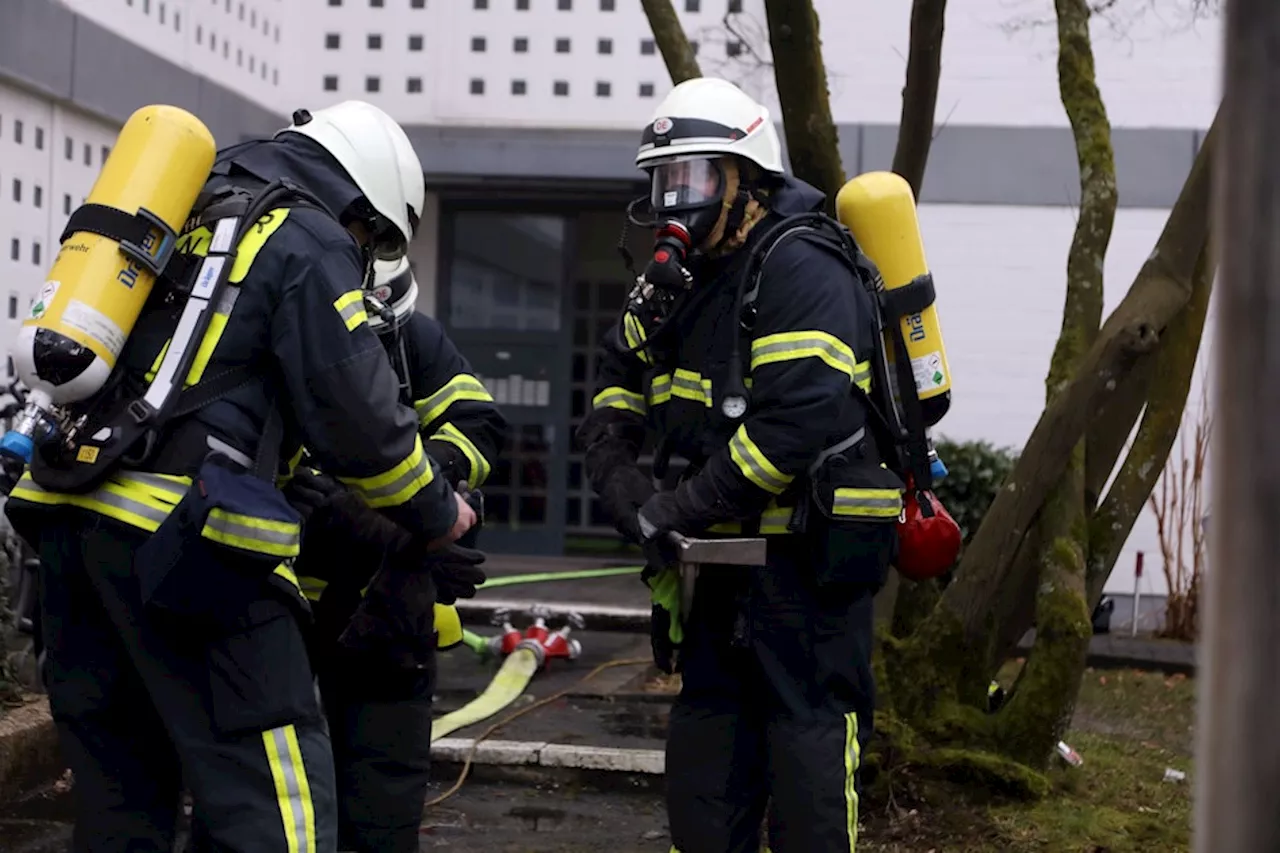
(920, 92)
(672, 42)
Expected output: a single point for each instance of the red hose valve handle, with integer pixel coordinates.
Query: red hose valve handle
(538, 630)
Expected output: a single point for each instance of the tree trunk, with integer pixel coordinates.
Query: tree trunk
(1237, 772)
(801, 77)
(672, 42)
(1037, 714)
(1175, 365)
(920, 93)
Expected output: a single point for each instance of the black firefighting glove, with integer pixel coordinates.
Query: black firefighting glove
(456, 572)
(395, 620)
(656, 521)
(622, 494)
(611, 440)
(308, 491)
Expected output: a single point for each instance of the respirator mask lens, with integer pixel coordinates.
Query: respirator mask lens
(685, 184)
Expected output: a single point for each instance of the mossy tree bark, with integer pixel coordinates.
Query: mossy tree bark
(920, 92)
(671, 40)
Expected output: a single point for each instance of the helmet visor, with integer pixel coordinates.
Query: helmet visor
(686, 182)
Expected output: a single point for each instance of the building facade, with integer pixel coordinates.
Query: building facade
(526, 115)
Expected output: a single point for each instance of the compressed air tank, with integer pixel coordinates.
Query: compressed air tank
(879, 209)
(95, 290)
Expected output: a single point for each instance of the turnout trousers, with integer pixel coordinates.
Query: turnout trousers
(776, 705)
(144, 704)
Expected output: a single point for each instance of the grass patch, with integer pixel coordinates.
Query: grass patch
(1129, 727)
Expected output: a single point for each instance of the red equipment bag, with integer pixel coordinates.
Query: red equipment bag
(928, 537)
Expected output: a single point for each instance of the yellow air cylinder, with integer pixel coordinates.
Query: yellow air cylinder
(880, 211)
(94, 292)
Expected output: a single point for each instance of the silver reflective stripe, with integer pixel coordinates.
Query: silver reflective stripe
(217, 521)
(853, 506)
(278, 738)
(103, 496)
(228, 451)
(839, 447)
(350, 312)
(462, 382)
(862, 375)
(400, 483)
(744, 453)
(692, 385)
(796, 345)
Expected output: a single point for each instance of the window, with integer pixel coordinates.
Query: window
(733, 48)
(240, 56)
(17, 190)
(561, 88)
(88, 154)
(276, 33)
(481, 4)
(242, 11)
(693, 45)
(146, 7)
(522, 5)
(564, 5)
(477, 44)
(10, 366)
(415, 43)
(253, 64)
(735, 7)
(39, 138)
(332, 41)
(331, 83)
(693, 5)
(226, 49)
(37, 194)
(213, 41)
(335, 2)
(562, 45)
(414, 85)
(66, 204)
(15, 249)
(477, 86)
(13, 306)
(275, 76)
(264, 71)
(106, 152)
(646, 90)
(374, 42)
(35, 253)
(646, 47)
(373, 84)
(199, 34)
(520, 45)
(162, 13)
(417, 4)
(253, 18)
(603, 89)
(604, 46)
(68, 148)
(606, 5)
(375, 4)
(519, 87)
(17, 131)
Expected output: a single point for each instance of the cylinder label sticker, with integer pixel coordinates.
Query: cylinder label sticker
(44, 299)
(92, 322)
(928, 371)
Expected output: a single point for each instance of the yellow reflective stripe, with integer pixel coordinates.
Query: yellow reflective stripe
(479, 465)
(293, 790)
(398, 485)
(217, 325)
(251, 245)
(284, 571)
(754, 465)
(260, 535)
(792, 346)
(691, 386)
(852, 758)
(291, 467)
(459, 388)
(660, 389)
(350, 307)
(448, 626)
(862, 375)
(617, 397)
(773, 522)
(634, 334)
(312, 588)
(872, 503)
(139, 500)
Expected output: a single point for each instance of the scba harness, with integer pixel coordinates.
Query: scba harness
(123, 424)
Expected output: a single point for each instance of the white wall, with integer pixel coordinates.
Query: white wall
(38, 163)
(1001, 276)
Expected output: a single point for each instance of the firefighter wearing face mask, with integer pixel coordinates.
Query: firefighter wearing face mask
(172, 621)
(777, 694)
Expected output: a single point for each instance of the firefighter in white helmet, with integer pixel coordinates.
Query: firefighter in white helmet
(777, 690)
(170, 614)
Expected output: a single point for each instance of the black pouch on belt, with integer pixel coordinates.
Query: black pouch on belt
(854, 508)
(211, 557)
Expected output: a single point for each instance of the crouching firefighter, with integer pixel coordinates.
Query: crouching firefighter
(384, 604)
(170, 614)
(749, 347)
